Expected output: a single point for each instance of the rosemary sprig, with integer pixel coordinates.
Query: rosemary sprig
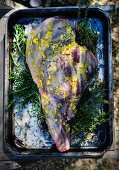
(90, 112)
(87, 36)
(23, 89)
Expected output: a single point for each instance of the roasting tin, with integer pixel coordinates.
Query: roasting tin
(102, 23)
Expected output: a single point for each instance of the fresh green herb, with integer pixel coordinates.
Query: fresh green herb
(87, 36)
(90, 113)
(23, 89)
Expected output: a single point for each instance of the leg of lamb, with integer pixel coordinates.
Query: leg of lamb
(61, 68)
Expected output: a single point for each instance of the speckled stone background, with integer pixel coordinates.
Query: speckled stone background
(110, 161)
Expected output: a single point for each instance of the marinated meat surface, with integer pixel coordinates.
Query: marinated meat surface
(61, 68)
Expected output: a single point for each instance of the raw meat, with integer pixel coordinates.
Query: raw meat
(61, 68)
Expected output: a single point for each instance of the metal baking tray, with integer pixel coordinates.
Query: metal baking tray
(102, 23)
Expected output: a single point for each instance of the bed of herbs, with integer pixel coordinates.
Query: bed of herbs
(89, 112)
